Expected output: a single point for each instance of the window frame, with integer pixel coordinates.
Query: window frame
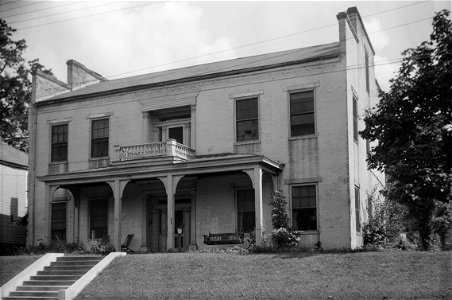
(316, 188)
(367, 71)
(52, 126)
(237, 190)
(358, 225)
(258, 118)
(91, 137)
(302, 90)
(355, 116)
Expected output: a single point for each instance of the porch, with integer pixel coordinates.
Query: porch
(170, 206)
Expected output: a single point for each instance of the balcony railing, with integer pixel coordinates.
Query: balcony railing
(170, 148)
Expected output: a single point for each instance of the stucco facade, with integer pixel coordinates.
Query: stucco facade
(173, 159)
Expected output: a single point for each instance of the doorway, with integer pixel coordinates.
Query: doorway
(157, 228)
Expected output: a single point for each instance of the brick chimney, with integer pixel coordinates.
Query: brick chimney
(79, 76)
(46, 86)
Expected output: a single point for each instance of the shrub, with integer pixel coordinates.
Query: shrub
(282, 237)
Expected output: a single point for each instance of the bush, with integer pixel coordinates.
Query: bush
(282, 237)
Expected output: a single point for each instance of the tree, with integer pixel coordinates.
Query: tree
(412, 127)
(15, 88)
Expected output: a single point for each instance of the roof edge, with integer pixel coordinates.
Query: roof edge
(191, 79)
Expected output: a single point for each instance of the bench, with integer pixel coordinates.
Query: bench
(223, 238)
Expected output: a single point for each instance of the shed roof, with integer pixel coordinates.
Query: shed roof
(12, 157)
(204, 71)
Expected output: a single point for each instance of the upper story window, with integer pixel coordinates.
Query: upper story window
(355, 118)
(99, 137)
(247, 119)
(304, 207)
(366, 61)
(59, 143)
(302, 119)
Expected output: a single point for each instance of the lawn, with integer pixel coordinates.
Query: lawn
(10, 266)
(372, 275)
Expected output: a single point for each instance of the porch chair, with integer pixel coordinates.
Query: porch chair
(126, 244)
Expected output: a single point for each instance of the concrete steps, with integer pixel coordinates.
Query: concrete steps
(58, 276)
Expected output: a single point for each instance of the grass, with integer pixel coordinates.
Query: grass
(371, 275)
(10, 266)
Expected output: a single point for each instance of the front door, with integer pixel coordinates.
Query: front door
(157, 229)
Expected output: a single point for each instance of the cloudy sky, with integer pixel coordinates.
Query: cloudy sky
(125, 38)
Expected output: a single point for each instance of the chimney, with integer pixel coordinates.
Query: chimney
(79, 76)
(46, 86)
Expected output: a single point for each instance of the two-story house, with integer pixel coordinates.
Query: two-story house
(175, 155)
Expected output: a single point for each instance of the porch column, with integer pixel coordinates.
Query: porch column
(256, 178)
(170, 183)
(260, 230)
(117, 187)
(49, 191)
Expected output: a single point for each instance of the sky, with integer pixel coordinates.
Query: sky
(125, 38)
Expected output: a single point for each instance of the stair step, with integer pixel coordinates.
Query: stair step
(76, 263)
(79, 257)
(29, 298)
(41, 288)
(49, 282)
(55, 277)
(62, 272)
(72, 268)
(35, 293)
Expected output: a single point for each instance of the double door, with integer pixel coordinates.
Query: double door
(158, 228)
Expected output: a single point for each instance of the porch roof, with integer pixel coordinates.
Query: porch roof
(148, 169)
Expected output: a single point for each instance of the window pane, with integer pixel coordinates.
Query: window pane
(305, 219)
(302, 124)
(357, 209)
(355, 118)
(301, 102)
(59, 152)
(246, 109)
(247, 130)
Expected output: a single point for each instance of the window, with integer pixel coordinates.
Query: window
(58, 221)
(357, 210)
(367, 148)
(366, 61)
(98, 216)
(247, 120)
(355, 118)
(59, 143)
(302, 113)
(14, 208)
(246, 217)
(99, 138)
(304, 207)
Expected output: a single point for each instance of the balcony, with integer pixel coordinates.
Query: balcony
(161, 150)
